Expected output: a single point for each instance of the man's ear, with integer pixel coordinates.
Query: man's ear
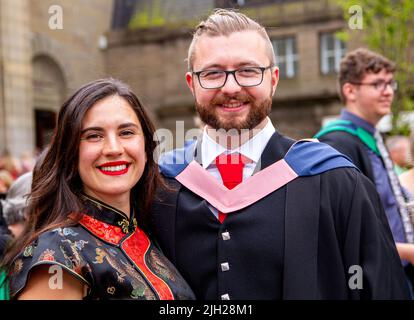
(275, 78)
(348, 91)
(190, 81)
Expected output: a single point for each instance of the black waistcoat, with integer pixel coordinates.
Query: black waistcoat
(239, 259)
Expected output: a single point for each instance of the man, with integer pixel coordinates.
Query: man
(296, 227)
(399, 149)
(366, 87)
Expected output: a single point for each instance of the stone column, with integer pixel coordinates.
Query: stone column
(17, 119)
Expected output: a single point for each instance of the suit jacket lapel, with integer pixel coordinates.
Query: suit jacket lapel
(275, 150)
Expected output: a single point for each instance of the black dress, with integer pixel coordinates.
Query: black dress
(107, 252)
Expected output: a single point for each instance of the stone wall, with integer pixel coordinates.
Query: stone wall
(153, 63)
(73, 51)
(16, 116)
(75, 47)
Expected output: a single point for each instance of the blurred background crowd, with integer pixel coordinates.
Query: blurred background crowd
(12, 167)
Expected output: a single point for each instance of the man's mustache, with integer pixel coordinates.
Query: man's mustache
(228, 99)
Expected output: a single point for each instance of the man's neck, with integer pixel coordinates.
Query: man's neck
(233, 138)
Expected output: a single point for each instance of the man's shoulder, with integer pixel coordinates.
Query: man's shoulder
(175, 161)
(339, 137)
(324, 160)
(346, 143)
(310, 157)
(341, 183)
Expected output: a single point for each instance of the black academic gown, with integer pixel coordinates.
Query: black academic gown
(353, 148)
(357, 151)
(299, 242)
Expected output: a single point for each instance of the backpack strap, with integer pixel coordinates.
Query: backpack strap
(344, 125)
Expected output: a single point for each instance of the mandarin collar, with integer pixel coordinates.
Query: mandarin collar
(103, 212)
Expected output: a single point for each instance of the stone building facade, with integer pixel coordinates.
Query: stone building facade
(48, 48)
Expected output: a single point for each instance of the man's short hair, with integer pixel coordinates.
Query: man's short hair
(223, 22)
(356, 64)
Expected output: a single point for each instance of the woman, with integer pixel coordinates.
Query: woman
(83, 241)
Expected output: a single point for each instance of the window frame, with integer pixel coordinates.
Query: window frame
(338, 51)
(290, 58)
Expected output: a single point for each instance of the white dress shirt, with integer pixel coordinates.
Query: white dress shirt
(252, 149)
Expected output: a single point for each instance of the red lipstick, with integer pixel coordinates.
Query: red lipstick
(114, 168)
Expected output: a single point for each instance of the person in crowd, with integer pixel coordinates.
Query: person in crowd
(6, 180)
(366, 86)
(96, 176)
(5, 235)
(252, 214)
(5, 239)
(399, 150)
(15, 204)
(10, 164)
(28, 162)
(407, 178)
(12, 220)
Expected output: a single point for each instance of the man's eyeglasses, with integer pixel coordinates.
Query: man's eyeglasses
(380, 85)
(245, 77)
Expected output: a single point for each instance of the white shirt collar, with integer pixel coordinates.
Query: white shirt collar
(251, 149)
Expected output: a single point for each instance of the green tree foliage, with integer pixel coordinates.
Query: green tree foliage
(149, 16)
(387, 28)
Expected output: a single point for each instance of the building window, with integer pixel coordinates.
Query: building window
(332, 51)
(286, 56)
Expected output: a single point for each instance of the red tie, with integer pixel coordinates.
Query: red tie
(230, 167)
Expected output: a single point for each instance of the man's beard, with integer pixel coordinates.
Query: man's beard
(257, 113)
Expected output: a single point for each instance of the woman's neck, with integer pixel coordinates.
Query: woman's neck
(123, 206)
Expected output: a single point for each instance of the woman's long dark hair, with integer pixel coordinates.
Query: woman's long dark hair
(56, 181)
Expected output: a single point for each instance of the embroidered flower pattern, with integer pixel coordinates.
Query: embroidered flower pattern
(47, 255)
(28, 251)
(17, 266)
